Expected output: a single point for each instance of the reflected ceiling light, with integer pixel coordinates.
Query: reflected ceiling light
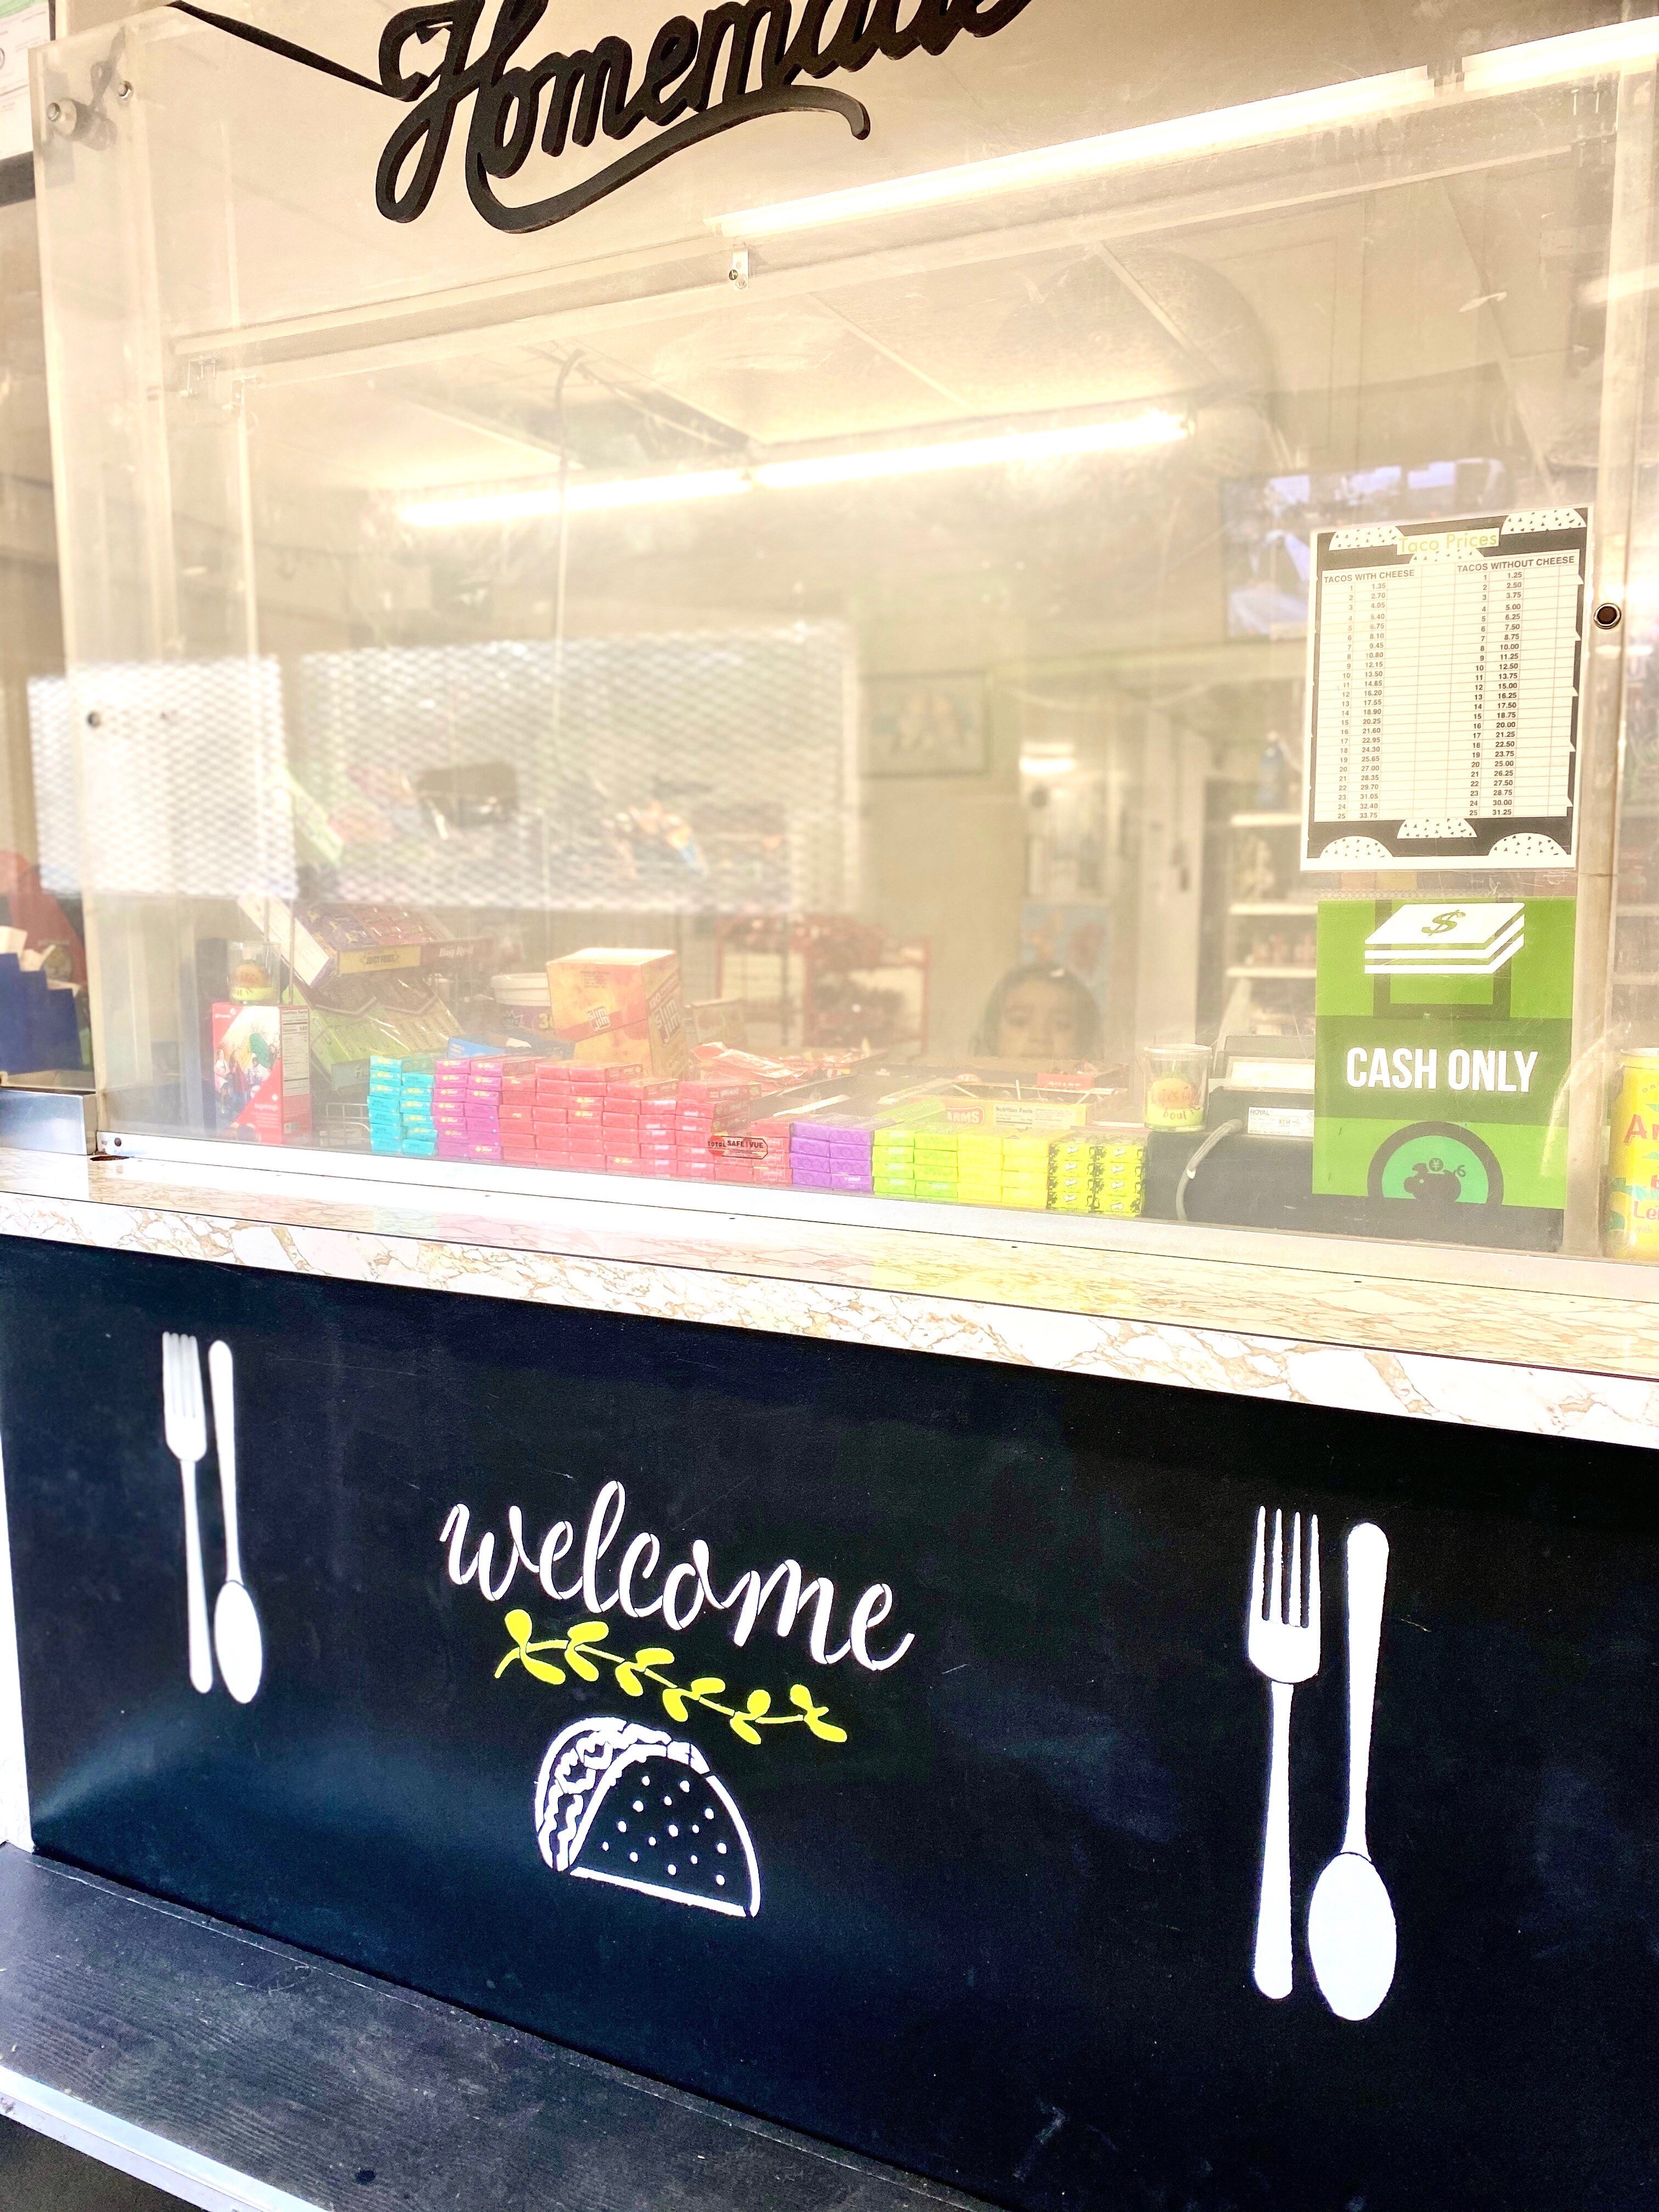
(1628, 284)
(580, 497)
(1125, 435)
(1258, 120)
(1041, 766)
(1555, 61)
(1122, 433)
(1542, 61)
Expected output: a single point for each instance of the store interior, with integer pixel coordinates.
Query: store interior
(654, 602)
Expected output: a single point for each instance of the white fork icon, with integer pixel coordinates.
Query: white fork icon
(1283, 1641)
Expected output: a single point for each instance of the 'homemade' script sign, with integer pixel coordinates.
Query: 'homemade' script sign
(745, 59)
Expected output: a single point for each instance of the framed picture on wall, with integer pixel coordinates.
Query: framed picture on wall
(927, 725)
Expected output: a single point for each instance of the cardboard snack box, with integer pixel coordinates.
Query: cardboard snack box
(620, 1006)
(322, 942)
(262, 1071)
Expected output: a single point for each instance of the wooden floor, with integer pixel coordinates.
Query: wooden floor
(245, 2076)
(37, 2175)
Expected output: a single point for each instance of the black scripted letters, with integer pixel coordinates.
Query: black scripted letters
(744, 60)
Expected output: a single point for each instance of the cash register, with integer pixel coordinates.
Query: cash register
(1251, 1165)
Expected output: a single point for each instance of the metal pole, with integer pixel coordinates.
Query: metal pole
(1602, 722)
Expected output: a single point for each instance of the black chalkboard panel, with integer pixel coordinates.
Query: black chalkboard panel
(1006, 1932)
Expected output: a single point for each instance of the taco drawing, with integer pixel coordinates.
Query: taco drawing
(619, 1803)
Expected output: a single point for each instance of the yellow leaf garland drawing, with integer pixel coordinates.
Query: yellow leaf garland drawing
(584, 1651)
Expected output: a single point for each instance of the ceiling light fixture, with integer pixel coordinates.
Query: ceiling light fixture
(579, 498)
(1258, 120)
(1127, 433)
(1557, 61)
(1542, 61)
(1154, 426)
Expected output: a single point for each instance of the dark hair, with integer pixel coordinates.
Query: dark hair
(989, 1032)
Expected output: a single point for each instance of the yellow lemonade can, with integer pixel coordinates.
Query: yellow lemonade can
(1633, 1161)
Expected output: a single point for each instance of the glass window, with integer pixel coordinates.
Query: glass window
(43, 971)
(1081, 645)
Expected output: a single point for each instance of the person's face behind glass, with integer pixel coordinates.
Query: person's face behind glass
(1039, 1022)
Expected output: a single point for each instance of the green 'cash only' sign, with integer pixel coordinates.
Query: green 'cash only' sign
(1443, 1037)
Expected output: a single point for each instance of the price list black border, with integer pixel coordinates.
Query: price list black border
(1489, 830)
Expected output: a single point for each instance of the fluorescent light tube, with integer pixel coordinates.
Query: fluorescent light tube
(1557, 61)
(1125, 435)
(580, 497)
(1542, 61)
(1630, 284)
(1260, 120)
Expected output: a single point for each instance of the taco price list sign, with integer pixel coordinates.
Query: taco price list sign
(1443, 693)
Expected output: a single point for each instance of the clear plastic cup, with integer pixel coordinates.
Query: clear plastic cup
(1177, 1077)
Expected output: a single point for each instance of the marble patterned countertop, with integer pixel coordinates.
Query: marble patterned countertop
(1549, 1347)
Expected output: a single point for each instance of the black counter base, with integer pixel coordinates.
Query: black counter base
(245, 2076)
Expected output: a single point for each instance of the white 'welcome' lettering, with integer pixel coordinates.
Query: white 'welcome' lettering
(688, 1586)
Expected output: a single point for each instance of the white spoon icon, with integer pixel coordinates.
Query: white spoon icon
(236, 1637)
(1351, 1928)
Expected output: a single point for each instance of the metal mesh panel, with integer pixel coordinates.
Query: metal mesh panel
(56, 817)
(653, 775)
(184, 782)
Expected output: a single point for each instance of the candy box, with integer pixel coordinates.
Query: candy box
(322, 942)
(615, 1005)
(262, 1071)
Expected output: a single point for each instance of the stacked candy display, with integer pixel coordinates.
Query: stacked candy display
(483, 1109)
(585, 1143)
(420, 1130)
(1073, 1175)
(766, 1145)
(552, 1129)
(1120, 1187)
(999, 1167)
(832, 1156)
(893, 1162)
(907, 1162)
(449, 1108)
(712, 1145)
(938, 1165)
(466, 1106)
(658, 1128)
(518, 1111)
(1099, 1174)
(385, 1119)
(1025, 1171)
(694, 1129)
(400, 1107)
(634, 1144)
